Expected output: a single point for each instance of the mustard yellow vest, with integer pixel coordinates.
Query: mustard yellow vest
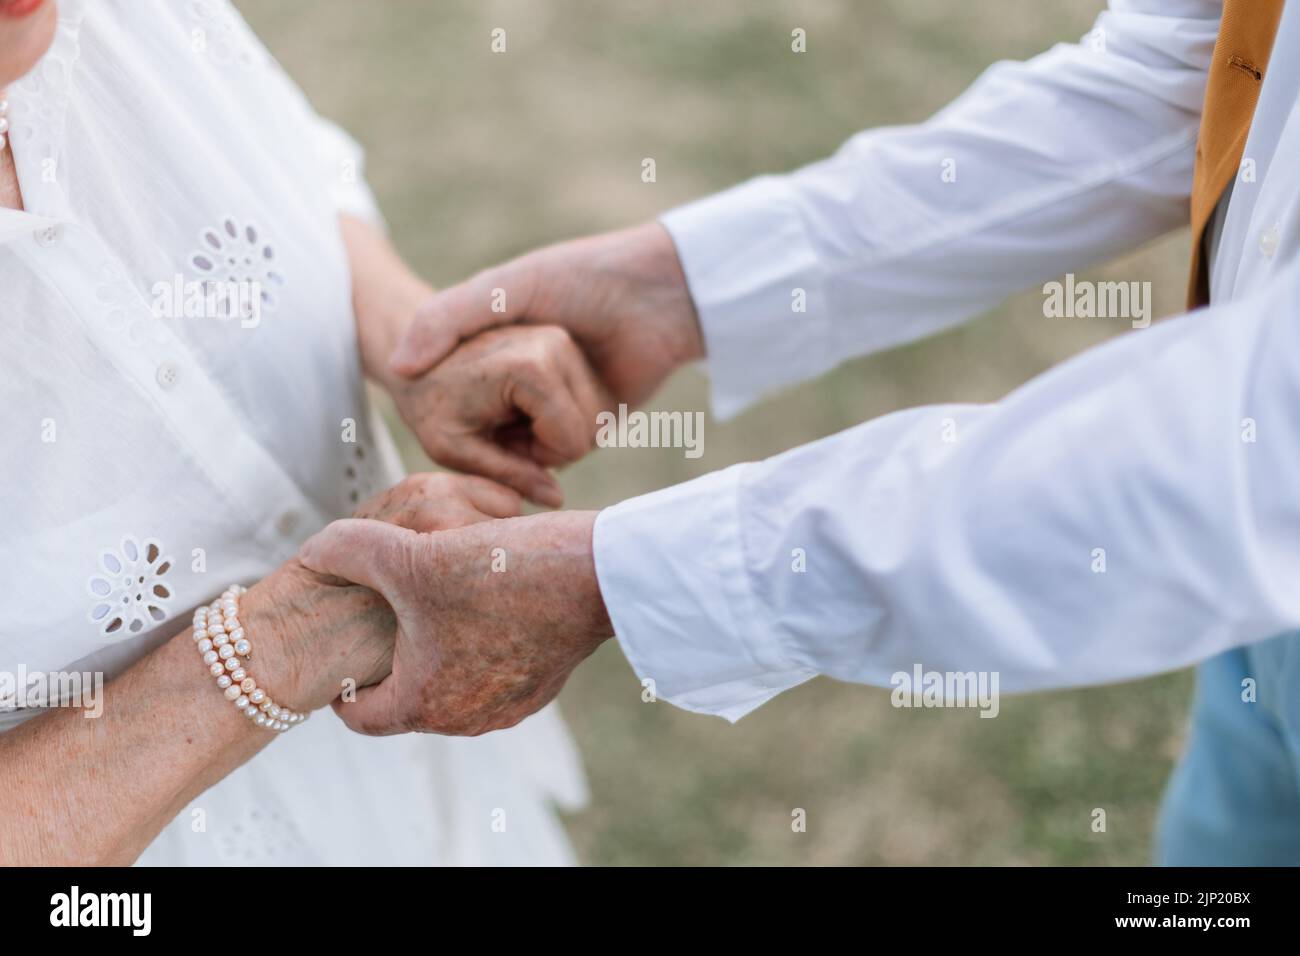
(1240, 56)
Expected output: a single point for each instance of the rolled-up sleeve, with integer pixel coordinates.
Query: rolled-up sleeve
(343, 166)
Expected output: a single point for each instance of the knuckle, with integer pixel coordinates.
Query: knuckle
(436, 723)
(522, 478)
(532, 363)
(510, 499)
(429, 309)
(416, 724)
(553, 338)
(505, 722)
(353, 722)
(433, 483)
(411, 484)
(432, 441)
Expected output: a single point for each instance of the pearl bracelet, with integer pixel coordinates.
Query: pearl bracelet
(221, 640)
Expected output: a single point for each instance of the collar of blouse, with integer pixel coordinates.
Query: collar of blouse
(38, 103)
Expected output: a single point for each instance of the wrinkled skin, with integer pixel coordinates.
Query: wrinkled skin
(622, 296)
(477, 649)
(507, 404)
(313, 631)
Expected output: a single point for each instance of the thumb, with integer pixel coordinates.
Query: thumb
(494, 297)
(361, 550)
(375, 712)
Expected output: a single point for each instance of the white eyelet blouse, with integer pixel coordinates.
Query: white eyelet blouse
(148, 461)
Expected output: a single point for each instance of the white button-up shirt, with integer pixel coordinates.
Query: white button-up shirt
(150, 451)
(1132, 511)
(152, 455)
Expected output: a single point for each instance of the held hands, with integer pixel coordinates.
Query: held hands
(508, 404)
(622, 296)
(323, 630)
(491, 618)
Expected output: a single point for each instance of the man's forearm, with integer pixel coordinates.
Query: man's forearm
(1128, 513)
(557, 547)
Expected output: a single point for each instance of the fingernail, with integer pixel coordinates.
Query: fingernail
(547, 494)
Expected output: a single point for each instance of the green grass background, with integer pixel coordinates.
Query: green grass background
(477, 156)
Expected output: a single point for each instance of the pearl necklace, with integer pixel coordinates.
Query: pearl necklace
(4, 119)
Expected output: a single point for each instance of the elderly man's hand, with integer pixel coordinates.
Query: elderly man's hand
(622, 296)
(491, 618)
(326, 628)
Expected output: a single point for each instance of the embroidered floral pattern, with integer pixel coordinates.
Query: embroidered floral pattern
(238, 253)
(359, 473)
(262, 835)
(42, 96)
(123, 310)
(129, 592)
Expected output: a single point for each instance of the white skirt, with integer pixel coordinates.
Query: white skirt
(321, 795)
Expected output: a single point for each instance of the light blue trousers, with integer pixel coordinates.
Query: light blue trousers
(1234, 799)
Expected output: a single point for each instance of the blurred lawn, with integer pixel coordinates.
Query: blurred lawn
(477, 156)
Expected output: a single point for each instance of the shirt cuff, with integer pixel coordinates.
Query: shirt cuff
(758, 289)
(672, 572)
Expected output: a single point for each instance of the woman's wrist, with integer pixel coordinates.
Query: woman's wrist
(382, 319)
(281, 665)
(313, 635)
(227, 650)
(385, 295)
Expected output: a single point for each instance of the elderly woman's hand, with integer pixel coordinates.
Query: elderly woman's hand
(509, 403)
(312, 633)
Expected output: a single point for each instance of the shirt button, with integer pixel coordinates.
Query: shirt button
(48, 235)
(1269, 240)
(287, 523)
(167, 374)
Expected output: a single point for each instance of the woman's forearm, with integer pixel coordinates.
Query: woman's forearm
(385, 295)
(97, 791)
